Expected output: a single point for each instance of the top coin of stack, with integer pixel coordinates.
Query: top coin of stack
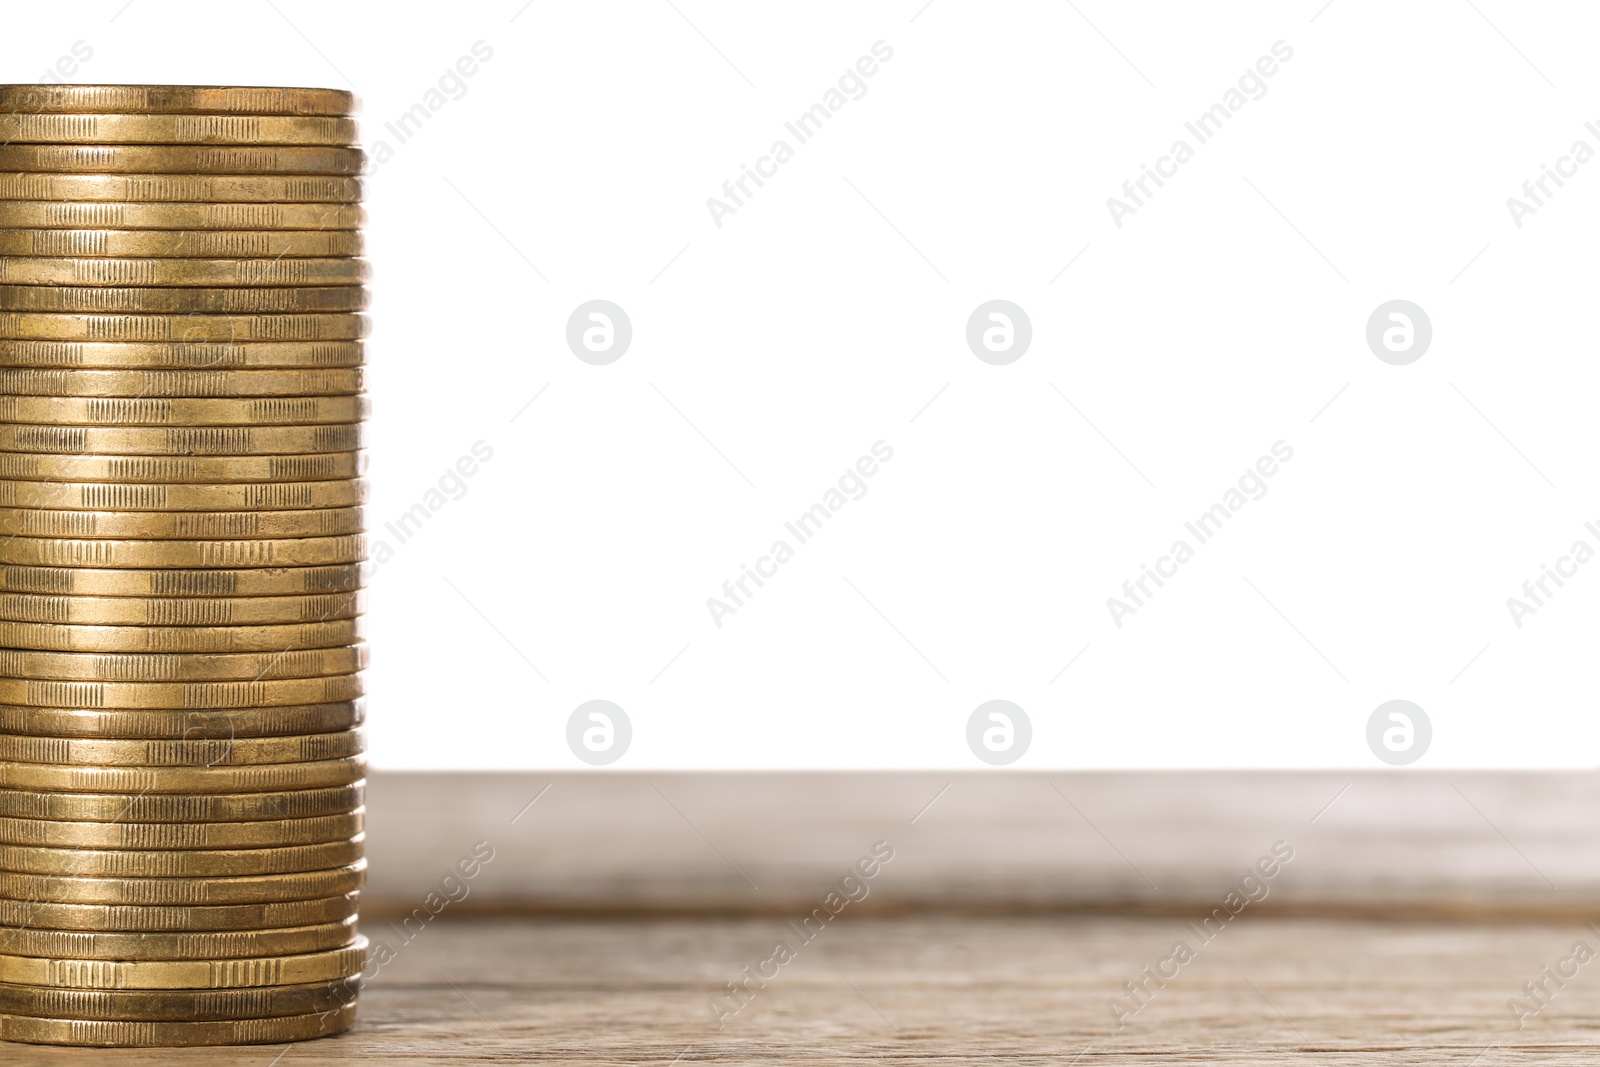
(181, 564)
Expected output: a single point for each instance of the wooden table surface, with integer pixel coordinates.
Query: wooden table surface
(617, 907)
(948, 991)
(1493, 845)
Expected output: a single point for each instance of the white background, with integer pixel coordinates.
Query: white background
(829, 313)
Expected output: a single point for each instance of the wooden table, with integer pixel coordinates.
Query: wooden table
(618, 907)
(948, 991)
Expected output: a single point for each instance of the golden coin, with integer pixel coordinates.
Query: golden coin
(274, 552)
(300, 969)
(182, 188)
(155, 724)
(344, 381)
(326, 965)
(149, 301)
(212, 244)
(184, 808)
(243, 496)
(194, 863)
(180, 639)
(127, 411)
(128, 1034)
(79, 129)
(165, 892)
(189, 863)
(156, 639)
(280, 273)
(155, 835)
(200, 752)
(182, 695)
(123, 215)
(176, 99)
(42, 326)
(165, 355)
(178, 919)
(180, 159)
(312, 467)
(144, 525)
(181, 666)
(182, 440)
(269, 582)
(248, 778)
(305, 467)
(221, 944)
(180, 611)
(188, 1005)
(170, 725)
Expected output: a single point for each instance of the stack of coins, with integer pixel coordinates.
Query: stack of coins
(181, 563)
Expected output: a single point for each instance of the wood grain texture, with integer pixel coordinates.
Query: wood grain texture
(1487, 844)
(657, 890)
(947, 991)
